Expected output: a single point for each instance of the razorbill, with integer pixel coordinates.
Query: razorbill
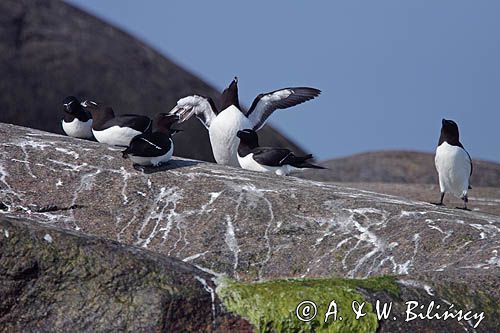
(264, 159)
(222, 126)
(116, 130)
(77, 122)
(153, 148)
(453, 164)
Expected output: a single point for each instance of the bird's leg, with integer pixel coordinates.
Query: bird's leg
(440, 203)
(466, 200)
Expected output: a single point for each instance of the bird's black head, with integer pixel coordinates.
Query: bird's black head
(71, 105)
(91, 105)
(449, 133)
(248, 137)
(164, 122)
(230, 95)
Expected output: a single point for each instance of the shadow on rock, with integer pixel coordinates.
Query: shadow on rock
(170, 165)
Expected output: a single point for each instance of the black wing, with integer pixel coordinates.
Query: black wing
(271, 156)
(149, 145)
(265, 104)
(138, 122)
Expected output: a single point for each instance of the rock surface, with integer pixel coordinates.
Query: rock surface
(50, 49)
(397, 167)
(57, 281)
(251, 226)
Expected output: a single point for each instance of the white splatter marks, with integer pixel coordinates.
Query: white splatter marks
(431, 225)
(168, 198)
(32, 144)
(254, 194)
(48, 238)
(68, 152)
(6, 233)
(211, 291)
(69, 166)
(3, 178)
(213, 196)
(367, 236)
(195, 256)
(126, 175)
(232, 242)
(59, 183)
(417, 284)
(495, 260)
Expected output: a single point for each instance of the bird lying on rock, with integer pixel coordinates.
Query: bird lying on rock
(77, 122)
(116, 130)
(264, 159)
(222, 126)
(453, 163)
(153, 148)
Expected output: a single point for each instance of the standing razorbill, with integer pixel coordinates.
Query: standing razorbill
(153, 148)
(222, 126)
(264, 159)
(116, 130)
(453, 163)
(77, 122)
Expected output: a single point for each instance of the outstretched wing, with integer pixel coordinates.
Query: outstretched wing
(265, 104)
(202, 107)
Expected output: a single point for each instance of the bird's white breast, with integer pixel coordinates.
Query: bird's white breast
(116, 135)
(248, 163)
(156, 160)
(223, 137)
(78, 129)
(453, 166)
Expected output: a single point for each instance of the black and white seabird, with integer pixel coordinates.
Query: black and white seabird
(222, 126)
(153, 148)
(264, 159)
(116, 130)
(77, 122)
(453, 163)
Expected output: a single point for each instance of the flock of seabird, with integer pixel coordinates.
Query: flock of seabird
(233, 134)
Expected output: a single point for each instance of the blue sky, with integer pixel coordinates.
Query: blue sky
(389, 70)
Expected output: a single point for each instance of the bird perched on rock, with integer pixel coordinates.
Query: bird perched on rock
(116, 130)
(264, 159)
(222, 126)
(77, 122)
(153, 148)
(453, 163)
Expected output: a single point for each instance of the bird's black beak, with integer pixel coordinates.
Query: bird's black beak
(91, 104)
(443, 121)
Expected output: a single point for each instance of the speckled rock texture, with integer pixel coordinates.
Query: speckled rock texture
(251, 226)
(54, 280)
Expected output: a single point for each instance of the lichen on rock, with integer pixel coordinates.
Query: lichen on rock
(272, 306)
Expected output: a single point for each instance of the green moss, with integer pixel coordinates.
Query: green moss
(271, 306)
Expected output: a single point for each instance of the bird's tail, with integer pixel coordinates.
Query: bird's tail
(301, 162)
